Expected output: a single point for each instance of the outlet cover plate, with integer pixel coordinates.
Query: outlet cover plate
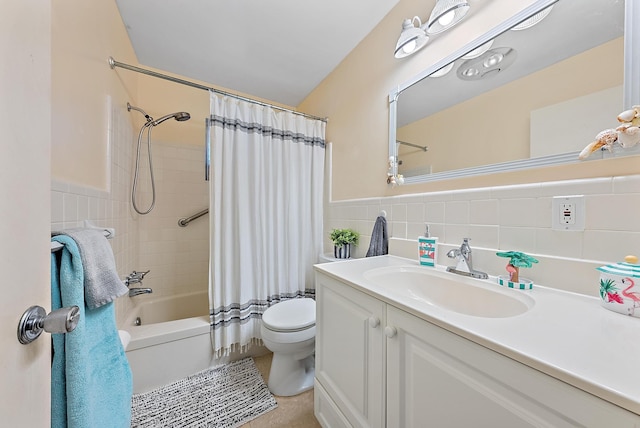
(568, 213)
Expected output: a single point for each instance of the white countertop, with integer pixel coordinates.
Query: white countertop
(565, 335)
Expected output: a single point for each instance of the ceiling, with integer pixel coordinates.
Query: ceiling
(279, 50)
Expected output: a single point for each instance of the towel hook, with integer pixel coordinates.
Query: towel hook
(35, 320)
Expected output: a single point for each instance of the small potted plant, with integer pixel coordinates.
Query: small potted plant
(517, 260)
(342, 240)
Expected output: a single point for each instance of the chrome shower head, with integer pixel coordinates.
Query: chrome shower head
(180, 117)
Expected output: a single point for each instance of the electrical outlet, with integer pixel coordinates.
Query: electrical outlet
(567, 213)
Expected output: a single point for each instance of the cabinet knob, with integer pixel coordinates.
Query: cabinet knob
(390, 331)
(374, 322)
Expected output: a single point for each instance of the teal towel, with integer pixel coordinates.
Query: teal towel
(91, 382)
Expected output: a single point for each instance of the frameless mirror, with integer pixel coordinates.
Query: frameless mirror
(517, 98)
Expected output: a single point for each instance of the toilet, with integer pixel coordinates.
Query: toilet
(289, 331)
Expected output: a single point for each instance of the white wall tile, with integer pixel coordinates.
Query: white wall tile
(455, 233)
(559, 243)
(518, 212)
(399, 212)
(610, 246)
(613, 212)
(70, 202)
(456, 212)
(415, 212)
(483, 211)
(434, 212)
(517, 239)
(57, 206)
(543, 212)
(627, 184)
(486, 236)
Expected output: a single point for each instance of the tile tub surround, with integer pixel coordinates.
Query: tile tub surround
(72, 203)
(155, 241)
(178, 257)
(503, 218)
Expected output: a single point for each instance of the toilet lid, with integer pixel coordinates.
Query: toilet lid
(290, 315)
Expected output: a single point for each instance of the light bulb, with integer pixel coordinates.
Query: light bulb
(470, 72)
(447, 18)
(493, 60)
(409, 47)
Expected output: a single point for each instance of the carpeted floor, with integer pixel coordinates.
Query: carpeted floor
(226, 396)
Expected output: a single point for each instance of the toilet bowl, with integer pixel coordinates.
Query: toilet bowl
(289, 331)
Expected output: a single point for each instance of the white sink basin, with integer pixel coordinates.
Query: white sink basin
(452, 292)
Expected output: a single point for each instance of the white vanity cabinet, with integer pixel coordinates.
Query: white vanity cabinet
(379, 366)
(350, 361)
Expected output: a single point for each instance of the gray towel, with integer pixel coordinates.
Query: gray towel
(101, 282)
(379, 244)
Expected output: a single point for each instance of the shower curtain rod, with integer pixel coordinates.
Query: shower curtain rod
(113, 64)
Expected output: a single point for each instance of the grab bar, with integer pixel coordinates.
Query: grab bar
(183, 222)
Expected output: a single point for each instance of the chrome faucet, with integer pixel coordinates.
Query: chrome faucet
(136, 278)
(136, 291)
(464, 265)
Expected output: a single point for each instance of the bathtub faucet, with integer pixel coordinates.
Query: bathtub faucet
(135, 278)
(136, 291)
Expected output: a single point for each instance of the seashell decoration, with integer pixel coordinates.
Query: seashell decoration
(627, 134)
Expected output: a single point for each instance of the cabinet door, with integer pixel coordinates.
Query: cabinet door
(438, 379)
(350, 351)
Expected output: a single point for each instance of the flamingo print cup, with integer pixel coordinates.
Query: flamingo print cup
(620, 286)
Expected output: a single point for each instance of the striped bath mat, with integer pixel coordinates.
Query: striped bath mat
(223, 396)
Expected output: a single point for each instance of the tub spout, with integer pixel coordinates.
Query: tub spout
(136, 291)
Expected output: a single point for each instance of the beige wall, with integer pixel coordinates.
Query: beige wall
(84, 35)
(355, 99)
(159, 97)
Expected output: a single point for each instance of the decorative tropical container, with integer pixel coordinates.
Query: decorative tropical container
(342, 240)
(620, 286)
(517, 260)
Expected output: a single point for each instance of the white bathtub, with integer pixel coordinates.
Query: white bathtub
(172, 342)
(152, 310)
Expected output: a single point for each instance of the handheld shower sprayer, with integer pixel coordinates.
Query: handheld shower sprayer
(180, 116)
(149, 124)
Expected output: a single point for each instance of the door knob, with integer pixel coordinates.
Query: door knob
(35, 320)
(374, 322)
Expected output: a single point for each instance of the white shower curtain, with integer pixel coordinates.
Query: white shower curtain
(266, 193)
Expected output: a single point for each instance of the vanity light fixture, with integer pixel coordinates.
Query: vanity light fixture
(479, 50)
(488, 64)
(412, 38)
(533, 20)
(443, 71)
(446, 14)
